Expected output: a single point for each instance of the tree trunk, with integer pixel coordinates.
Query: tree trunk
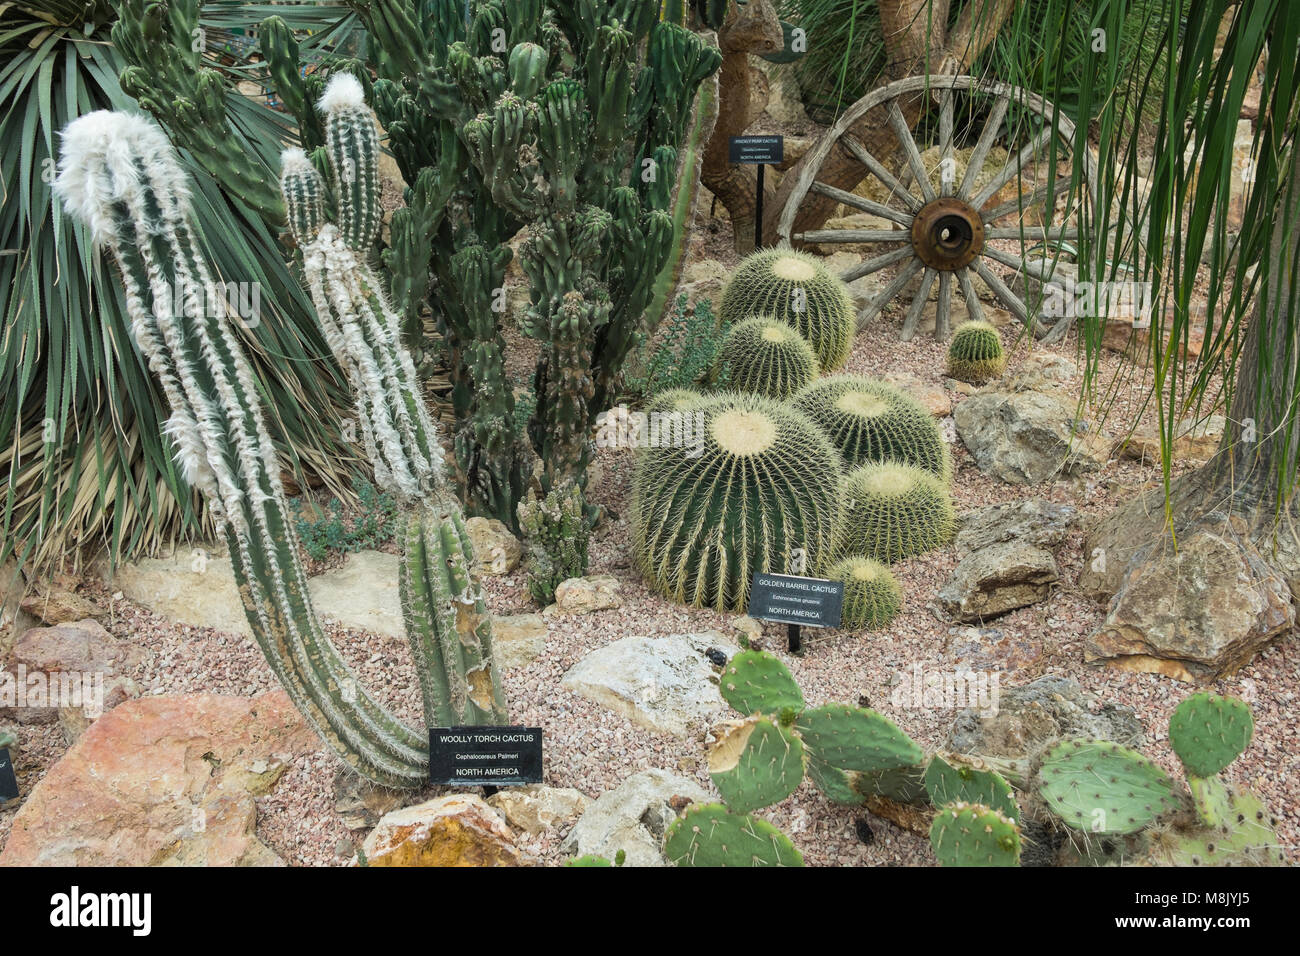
(916, 36)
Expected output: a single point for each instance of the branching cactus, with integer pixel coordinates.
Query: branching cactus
(119, 175)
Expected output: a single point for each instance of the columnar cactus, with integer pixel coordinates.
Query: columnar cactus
(975, 354)
(797, 289)
(767, 357)
(750, 485)
(893, 511)
(870, 420)
(119, 174)
(556, 531)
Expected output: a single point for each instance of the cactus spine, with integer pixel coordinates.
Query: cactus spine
(893, 511)
(767, 357)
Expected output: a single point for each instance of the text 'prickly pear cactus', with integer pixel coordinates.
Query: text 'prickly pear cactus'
(119, 174)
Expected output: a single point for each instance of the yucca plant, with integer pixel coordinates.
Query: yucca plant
(83, 462)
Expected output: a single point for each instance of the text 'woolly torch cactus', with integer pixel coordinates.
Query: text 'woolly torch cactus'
(119, 174)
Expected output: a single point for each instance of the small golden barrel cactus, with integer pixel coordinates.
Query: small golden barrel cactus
(870, 420)
(872, 596)
(976, 353)
(892, 511)
(768, 357)
(797, 289)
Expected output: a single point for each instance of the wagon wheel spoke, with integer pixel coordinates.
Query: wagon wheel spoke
(974, 311)
(1012, 168)
(945, 307)
(947, 169)
(984, 144)
(854, 235)
(1041, 269)
(888, 292)
(1009, 298)
(862, 155)
(1027, 202)
(1036, 233)
(876, 264)
(918, 305)
(904, 137)
(858, 202)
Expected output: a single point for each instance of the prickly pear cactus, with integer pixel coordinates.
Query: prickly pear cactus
(872, 421)
(954, 780)
(1208, 732)
(797, 289)
(893, 511)
(975, 354)
(711, 835)
(756, 763)
(970, 834)
(767, 357)
(755, 682)
(1245, 836)
(872, 595)
(856, 739)
(1100, 787)
(753, 487)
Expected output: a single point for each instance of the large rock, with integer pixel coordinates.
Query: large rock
(1036, 522)
(1193, 441)
(933, 397)
(997, 579)
(633, 817)
(1027, 437)
(55, 602)
(1030, 717)
(594, 592)
(456, 830)
(162, 781)
(496, 550)
(1197, 612)
(361, 593)
(703, 280)
(667, 684)
(194, 586)
(537, 808)
(518, 638)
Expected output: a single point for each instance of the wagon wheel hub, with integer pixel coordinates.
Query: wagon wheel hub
(947, 234)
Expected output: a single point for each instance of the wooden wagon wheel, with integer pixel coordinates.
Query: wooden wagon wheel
(953, 232)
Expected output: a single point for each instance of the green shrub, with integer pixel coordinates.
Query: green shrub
(684, 351)
(374, 523)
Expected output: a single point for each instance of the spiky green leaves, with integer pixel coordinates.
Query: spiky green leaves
(757, 683)
(1208, 732)
(893, 511)
(954, 780)
(756, 763)
(975, 354)
(746, 483)
(797, 289)
(967, 834)
(872, 421)
(767, 357)
(872, 596)
(1100, 787)
(711, 835)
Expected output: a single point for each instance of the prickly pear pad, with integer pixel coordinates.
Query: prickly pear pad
(854, 738)
(756, 764)
(958, 782)
(970, 834)
(755, 682)
(711, 835)
(1100, 787)
(1208, 732)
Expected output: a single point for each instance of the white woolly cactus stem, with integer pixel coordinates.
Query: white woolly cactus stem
(119, 174)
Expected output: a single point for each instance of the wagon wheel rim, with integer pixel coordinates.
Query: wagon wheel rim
(950, 234)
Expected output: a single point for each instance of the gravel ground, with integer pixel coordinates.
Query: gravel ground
(593, 749)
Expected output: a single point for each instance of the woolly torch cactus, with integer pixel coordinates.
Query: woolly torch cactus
(119, 174)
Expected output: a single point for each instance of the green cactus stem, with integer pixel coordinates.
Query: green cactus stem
(872, 595)
(712, 835)
(975, 354)
(1208, 732)
(1101, 787)
(767, 357)
(970, 834)
(893, 511)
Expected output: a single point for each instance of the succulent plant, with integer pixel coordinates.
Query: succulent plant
(975, 354)
(767, 357)
(953, 779)
(1244, 834)
(872, 421)
(872, 596)
(556, 532)
(970, 834)
(1100, 787)
(711, 835)
(892, 511)
(1208, 732)
(672, 400)
(797, 289)
(756, 489)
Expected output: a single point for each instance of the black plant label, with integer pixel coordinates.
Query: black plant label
(485, 756)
